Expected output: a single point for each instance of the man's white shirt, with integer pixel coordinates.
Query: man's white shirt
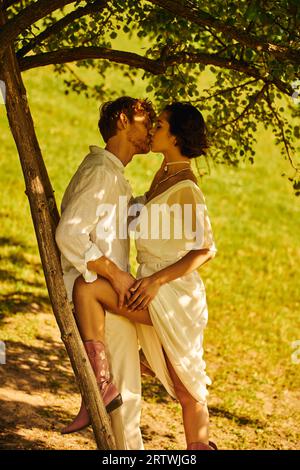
(94, 214)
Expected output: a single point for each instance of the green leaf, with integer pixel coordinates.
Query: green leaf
(252, 11)
(297, 132)
(296, 185)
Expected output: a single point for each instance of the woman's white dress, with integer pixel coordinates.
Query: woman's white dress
(179, 310)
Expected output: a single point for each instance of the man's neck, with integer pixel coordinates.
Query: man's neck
(122, 150)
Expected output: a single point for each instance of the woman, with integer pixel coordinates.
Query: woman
(168, 299)
(169, 279)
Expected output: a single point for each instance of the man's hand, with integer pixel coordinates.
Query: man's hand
(120, 280)
(121, 284)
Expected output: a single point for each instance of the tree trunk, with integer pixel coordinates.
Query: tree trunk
(45, 218)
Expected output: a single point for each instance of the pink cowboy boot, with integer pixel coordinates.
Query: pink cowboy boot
(201, 446)
(111, 397)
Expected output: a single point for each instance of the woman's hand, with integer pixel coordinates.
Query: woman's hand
(143, 292)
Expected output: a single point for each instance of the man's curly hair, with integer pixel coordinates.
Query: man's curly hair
(111, 110)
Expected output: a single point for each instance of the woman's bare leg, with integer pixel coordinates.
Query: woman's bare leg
(90, 302)
(90, 318)
(195, 415)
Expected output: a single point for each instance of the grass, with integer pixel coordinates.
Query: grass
(252, 285)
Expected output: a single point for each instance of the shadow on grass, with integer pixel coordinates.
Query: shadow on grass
(31, 292)
(12, 242)
(30, 375)
(11, 440)
(23, 302)
(40, 422)
(239, 420)
(154, 392)
(32, 368)
(32, 372)
(9, 276)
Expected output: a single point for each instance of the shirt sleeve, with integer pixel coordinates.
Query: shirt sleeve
(197, 229)
(80, 217)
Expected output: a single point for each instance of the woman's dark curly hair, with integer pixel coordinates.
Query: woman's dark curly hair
(188, 126)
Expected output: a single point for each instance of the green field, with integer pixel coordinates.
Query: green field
(252, 285)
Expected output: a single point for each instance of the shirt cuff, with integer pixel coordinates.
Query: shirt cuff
(91, 254)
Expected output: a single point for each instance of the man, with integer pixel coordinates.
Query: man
(90, 247)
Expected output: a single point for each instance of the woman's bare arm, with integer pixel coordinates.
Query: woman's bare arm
(190, 262)
(144, 290)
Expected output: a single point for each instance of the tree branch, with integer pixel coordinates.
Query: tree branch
(26, 18)
(189, 10)
(252, 102)
(156, 67)
(226, 90)
(216, 37)
(283, 136)
(96, 6)
(233, 64)
(77, 78)
(81, 53)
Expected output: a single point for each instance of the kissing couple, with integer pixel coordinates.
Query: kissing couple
(163, 311)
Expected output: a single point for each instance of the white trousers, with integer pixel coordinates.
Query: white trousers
(122, 348)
